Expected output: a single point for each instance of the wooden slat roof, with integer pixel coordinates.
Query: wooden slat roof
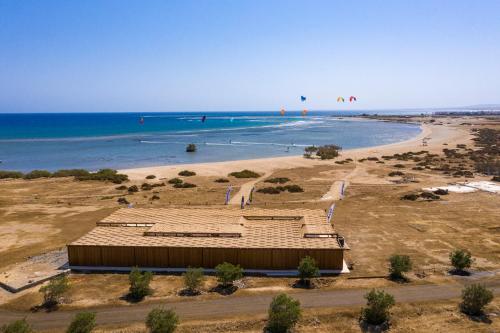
(258, 228)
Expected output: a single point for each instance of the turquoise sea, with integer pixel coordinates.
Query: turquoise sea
(54, 141)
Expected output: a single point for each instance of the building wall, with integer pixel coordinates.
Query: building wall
(164, 257)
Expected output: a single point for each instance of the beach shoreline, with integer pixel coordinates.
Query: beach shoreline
(437, 135)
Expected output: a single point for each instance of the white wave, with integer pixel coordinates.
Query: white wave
(163, 142)
(270, 144)
(232, 143)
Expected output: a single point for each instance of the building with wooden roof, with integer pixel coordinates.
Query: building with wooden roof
(177, 238)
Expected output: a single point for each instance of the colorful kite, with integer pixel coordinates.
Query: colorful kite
(302, 98)
(352, 99)
(340, 99)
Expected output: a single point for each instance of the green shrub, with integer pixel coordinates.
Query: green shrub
(293, 188)
(146, 187)
(160, 320)
(429, 196)
(378, 305)
(284, 313)
(307, 270)
(139, 284)
(441, 191)
(187, 173)
(155, 197)
(222, 180)
(269, 190)
(279, 189)
(133, 189)
(193, 277)
(18, 326)
(53, 291)
(328, 152)
(372, 158)
(227, 273)
(175, 181)
(474, 298)
(105, 175)
(411, 196)
(400, 166)
(151, 177)
(494, 179)
(399, 264)
(122, 201)
(10, 174)
(245, 174)
(191, 148)
(185, 185)
(396, 173)
(311, 149)
(277, 180)
(84, 322)
(71, 173)
(461, 259)
(37, 174)
(121, 188)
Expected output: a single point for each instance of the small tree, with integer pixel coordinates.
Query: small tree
(139, 284)
(18, 326)
(160, 320)
(399, 264)
(378, 305)
(284, 313)
(84, 322)
(307, 270)
(227, 273)
(53, 291)
(193, 278)
(474, 298)
(460, 259)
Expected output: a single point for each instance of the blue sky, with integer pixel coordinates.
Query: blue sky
(69, 56)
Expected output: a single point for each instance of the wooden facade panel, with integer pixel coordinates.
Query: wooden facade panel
(184, 257)
(161, 257)
(213, 257)
(285, 259)
(152, 257)
(84, 255)
(121, 256)
(256, 258)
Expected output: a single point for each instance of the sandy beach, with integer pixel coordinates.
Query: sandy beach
(437, 135)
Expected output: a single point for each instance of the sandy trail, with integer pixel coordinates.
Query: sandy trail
(245, 190)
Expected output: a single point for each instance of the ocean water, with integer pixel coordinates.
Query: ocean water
(92, 141)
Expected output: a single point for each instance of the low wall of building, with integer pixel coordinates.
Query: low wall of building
(175, 257)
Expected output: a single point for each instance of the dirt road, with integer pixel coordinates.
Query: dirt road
(230, 306)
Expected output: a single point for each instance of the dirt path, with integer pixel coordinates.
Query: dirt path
(230, 306)
(245, 190)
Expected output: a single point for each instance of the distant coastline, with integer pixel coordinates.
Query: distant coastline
(119, 141)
